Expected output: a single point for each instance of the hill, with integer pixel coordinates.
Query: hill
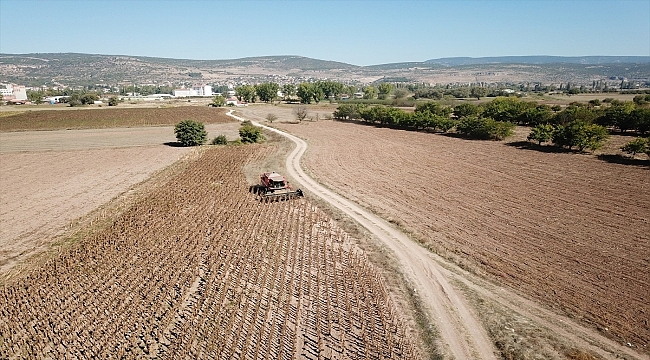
(73, 69)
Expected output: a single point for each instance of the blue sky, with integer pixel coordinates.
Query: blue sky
(356, 32)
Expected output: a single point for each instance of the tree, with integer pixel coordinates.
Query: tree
(218, 101)
(580, 134)
(305, 92)
(36, 97)
(400, 93)
(89, 98)
(2, 102)
(271, 117)
(541, 133)
(191, 133)
(250, 133)
(288, 90)
(245, 93)
(466, 109)
(638, 145)
(331, 89)
(485, 128)
(384, 90)
(300, 112)
(369, 92)
(113, 101)
(220, 140)
(267, 92)
(478, 92)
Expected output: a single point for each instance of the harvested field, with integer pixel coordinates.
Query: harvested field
(200, 269)
(106, 117)
(568, 229)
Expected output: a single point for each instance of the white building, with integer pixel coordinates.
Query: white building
(197, 90)
(14, 92)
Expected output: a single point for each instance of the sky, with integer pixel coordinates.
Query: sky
(355, 32)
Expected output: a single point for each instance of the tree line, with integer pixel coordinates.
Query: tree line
(578, 125)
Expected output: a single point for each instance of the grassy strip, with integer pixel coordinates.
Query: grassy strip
(109, 118)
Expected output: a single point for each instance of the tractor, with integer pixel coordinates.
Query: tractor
(274, 186)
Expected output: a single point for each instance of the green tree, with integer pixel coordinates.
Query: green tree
(306, 92)
(466, 109)
(331, 89)
(245, 93)
(541, 133)
(636, 146)
(190, 133)
(384, 90)
(485, 128)
(267, 92)
(250, 133)
(478, 92)
(288, 90)
(369, 92)
(400, 93)
(89, 98)
(581, 135)
(36, 97)
(218, 101)
(113, 101)
(434, 108)
(220, 140)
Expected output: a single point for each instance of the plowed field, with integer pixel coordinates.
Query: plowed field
(568, 229)
(72, 118)
(200, 269)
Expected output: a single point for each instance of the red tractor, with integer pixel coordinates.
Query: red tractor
(274, 186)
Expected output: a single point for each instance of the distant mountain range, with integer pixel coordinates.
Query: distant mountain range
(73, 69)
(542, 59)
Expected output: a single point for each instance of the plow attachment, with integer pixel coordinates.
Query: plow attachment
(271, 196)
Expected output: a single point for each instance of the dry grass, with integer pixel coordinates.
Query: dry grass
(99, 118)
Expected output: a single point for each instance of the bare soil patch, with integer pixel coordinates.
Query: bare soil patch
(50, 178)
(565, 228)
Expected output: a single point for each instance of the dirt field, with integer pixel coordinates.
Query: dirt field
(50, 178)
(105, 117)
(200, 269)
(568, 229)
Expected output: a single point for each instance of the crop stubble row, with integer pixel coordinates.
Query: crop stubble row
(200, 269)
(567, 228)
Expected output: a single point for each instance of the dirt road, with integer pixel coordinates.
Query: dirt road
(462, 334)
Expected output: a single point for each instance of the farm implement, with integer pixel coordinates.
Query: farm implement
(274, 187)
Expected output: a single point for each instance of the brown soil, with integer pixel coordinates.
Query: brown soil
(568, 229)
(201, 269)
(96, 118)
(50, 178)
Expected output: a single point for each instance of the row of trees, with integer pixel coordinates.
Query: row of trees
(429, 116)
(581, 126)
(313, 92)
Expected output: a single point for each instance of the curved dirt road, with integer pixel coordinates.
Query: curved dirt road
(461, 333)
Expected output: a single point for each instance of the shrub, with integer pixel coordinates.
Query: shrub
(271, 117)
(541, 133)
(581, 135)
(250, 133)
(484, 128)
(636, 146)
(113, 101)
(190, 133)
(220, 140)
